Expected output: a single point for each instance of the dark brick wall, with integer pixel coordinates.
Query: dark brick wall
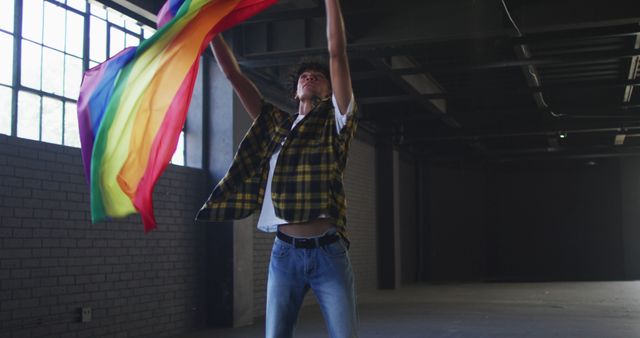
(529, 221)
(556, 220)
(54, 261)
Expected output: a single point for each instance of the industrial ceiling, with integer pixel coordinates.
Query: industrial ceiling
(481, 79)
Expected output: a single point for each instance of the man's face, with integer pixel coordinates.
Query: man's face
(312, 84)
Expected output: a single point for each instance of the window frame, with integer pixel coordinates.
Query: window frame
(16, 85)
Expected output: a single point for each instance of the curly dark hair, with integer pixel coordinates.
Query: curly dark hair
(304, 66)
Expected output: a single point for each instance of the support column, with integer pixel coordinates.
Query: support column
(387, 163)
(630, 178)
(195, 139)
(423, 223)
(229, 244)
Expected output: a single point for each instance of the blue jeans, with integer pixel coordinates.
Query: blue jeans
(325, 270)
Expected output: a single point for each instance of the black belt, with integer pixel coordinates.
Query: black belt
(308, 243)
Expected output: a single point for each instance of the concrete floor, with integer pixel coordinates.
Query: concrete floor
(568, 309)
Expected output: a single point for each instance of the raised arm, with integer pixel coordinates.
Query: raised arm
(338, 60)
(245, 89)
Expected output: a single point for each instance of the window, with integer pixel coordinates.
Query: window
(50, 69)
(111, 32)
(178, 156)
(28, 115)
(6, 15)
(6, 65)
(6, 59)
(5, 110)
(52, 59)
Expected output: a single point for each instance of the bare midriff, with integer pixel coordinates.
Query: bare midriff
(316, 227)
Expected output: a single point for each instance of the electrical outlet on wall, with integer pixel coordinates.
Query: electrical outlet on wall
(85, 314)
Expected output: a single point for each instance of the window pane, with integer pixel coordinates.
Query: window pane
(5, 110)
(115, 18)
(31, 59)
(72, 76)
(80, 5)
(71, 133)
(178, 156)
(132, 41)
(75, 34)
(52, 71)
(98, 39)
(148, 32)
(92, 64)
(6, 59)
(116, 42)
(98, 10)
(32, 20)
(51, 120)
(132, 26)
(6, 15)
(54, 18)
(28, 115)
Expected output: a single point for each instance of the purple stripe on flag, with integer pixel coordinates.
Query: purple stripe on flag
(95, 92)
(168, 11)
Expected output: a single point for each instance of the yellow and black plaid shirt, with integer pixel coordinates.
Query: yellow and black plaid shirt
(307, 181)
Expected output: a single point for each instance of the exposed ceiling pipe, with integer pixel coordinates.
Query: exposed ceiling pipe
(524, 134)
(633, 72)
(530, 71)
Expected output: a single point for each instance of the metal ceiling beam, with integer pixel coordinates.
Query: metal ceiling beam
(543, 154)
(138, 10)
(558, 59)
(610, 67)
(566, 112)
(578, 65)
(544, 133)
(415, 95)
(573, 35)
(403, 46)
(285, 15)
(577, 76)
(567, 153)
(545, 16)
(270, 16)
(391, 99)
(560, 86)
(391, 46)
(379, 45)
(501, 90)
(634, 67)
(618, 116)
(283, 58)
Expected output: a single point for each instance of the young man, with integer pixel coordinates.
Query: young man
(289, 168)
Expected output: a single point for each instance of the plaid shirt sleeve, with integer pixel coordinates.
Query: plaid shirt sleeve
(343, 139)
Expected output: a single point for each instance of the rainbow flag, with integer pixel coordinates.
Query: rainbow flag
(133, 106)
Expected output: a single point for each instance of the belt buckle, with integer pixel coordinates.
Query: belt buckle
(305, 242)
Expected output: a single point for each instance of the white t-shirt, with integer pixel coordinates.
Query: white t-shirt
(268, 220)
